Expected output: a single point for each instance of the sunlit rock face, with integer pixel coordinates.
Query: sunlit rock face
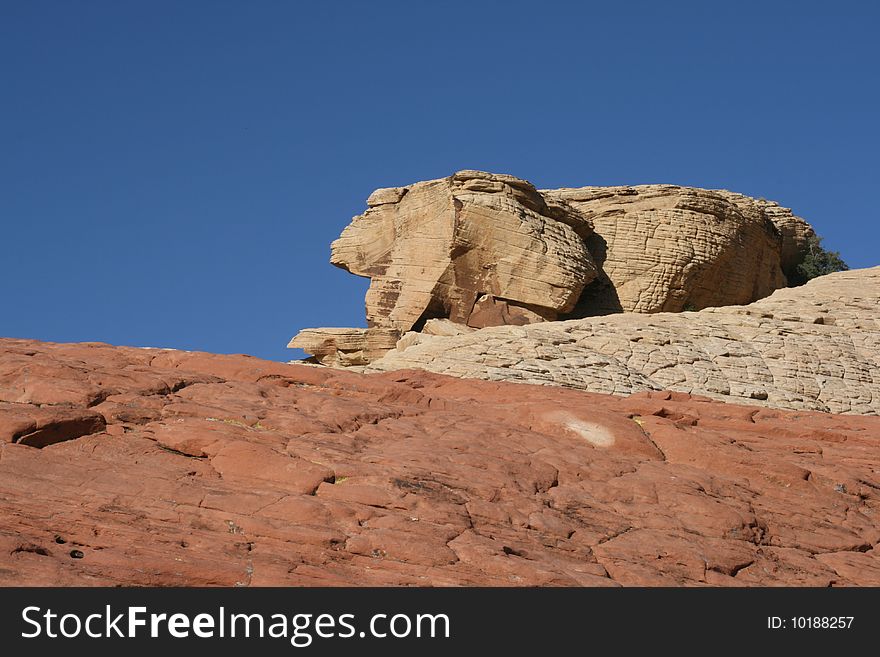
(483, 250)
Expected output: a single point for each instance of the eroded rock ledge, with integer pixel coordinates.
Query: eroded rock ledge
(813, 347)
(157, 467)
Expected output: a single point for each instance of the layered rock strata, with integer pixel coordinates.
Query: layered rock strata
(812, 347)
(345, 347)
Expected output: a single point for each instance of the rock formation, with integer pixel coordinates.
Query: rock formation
(158, 467)
(345, 347)
(434, 249)
(664, 248)
(486, 250)
(812, 347)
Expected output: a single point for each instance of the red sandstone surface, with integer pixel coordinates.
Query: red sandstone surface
(157, 467)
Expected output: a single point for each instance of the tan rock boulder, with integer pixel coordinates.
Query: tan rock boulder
(345, 347)
(435, 248)
(665, 248)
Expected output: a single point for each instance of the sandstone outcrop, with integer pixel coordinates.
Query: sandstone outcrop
(345, 347)
(436, 248)
(812, 347)
(665, 248)
(157, 467)
(487, 249)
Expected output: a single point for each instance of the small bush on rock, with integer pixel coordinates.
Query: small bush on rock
(818, 262)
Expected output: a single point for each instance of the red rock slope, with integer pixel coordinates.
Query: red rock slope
(135, 466)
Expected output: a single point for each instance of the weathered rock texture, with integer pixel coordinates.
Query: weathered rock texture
(665, 248)
(811, 347)
(345, 347)
(487, 249)
(172, 468)
(435, 248)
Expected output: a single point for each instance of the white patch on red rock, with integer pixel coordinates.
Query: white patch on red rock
(596, 434)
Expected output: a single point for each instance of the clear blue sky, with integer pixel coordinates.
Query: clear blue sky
(172, 173)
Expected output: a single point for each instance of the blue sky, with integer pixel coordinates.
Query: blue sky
(172, 173)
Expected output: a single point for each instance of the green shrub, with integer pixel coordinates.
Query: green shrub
(817, 262)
